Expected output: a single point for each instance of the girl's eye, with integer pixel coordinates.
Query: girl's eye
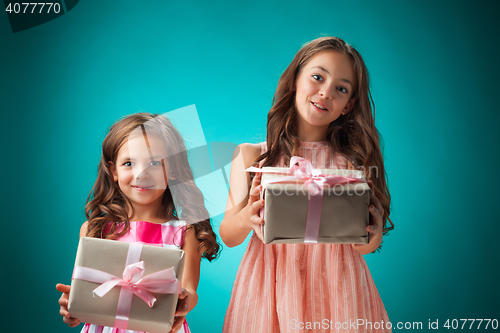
(127, 164)
(155, 163)
(317, 77)
(342, 89)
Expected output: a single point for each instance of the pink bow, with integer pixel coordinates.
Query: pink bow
(160, 282)
(302, 169)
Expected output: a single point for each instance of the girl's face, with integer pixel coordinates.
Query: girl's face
(141, 171)
(323, 90)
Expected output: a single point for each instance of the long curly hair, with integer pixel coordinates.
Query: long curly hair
(107, 206)
(353, 135)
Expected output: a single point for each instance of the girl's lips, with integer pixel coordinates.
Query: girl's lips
(142, 188)
(317, 108)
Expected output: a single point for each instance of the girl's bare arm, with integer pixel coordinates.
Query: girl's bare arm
(243, 203)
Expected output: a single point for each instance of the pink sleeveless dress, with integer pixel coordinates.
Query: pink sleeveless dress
(304, 288)
(167, 235)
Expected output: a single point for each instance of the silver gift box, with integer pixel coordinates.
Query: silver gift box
(344, 215)
(110, 256)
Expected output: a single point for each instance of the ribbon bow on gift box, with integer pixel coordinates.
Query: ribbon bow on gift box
(301, 170)
(132, 283)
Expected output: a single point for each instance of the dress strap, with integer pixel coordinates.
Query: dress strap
(350, 165)
(263, 147)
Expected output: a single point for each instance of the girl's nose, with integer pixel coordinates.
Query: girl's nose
(143, 173)
(325, 92)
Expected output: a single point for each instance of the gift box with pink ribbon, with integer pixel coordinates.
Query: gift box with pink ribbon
(126, 285)
(308, 205)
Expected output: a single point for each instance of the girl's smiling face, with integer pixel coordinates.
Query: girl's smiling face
(141, 171)
(323, 91)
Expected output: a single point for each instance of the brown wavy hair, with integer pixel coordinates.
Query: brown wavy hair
(353, 135)
(107, 206)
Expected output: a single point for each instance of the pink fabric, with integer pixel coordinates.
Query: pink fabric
(166, 235)
(283, 287)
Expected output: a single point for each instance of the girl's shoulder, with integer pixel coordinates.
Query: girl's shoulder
(83, 229)
(248, 151)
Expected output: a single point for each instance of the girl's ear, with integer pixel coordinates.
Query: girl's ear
(112, 168)
(167, 170)
(348, 106)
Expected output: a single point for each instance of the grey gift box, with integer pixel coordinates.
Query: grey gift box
(344, 216)
(110, 256)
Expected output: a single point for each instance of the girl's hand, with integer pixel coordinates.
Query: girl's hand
(375, 227)
(254, 205)
(182, 310)
(243, 202)
(63, 303)
(376, 216)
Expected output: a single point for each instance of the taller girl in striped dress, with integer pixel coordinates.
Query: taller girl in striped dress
(321, 111)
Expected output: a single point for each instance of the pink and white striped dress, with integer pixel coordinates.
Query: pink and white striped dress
(304, 288)
(168, 235)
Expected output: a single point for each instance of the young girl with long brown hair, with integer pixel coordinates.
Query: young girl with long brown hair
(145, 193)
(322, 111)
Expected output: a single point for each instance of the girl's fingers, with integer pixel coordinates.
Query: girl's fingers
(256, 220)
(72, 322)
(67, 318)
(375, 212)
(375, 202)
(256, 206)
(183, 293)
(255, 193)
(255, 187)
(256, 179)
(370, 184)
(177, 324)
(181, 313)
(255, 210)
(258, 232)
(372, 228)
(63, 301)
(376, 219)
(182, 308)
(63, 288)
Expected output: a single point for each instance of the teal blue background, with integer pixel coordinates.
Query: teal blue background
(434, 72)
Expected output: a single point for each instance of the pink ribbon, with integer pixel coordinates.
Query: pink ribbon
(132, 283)
(301, 170)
